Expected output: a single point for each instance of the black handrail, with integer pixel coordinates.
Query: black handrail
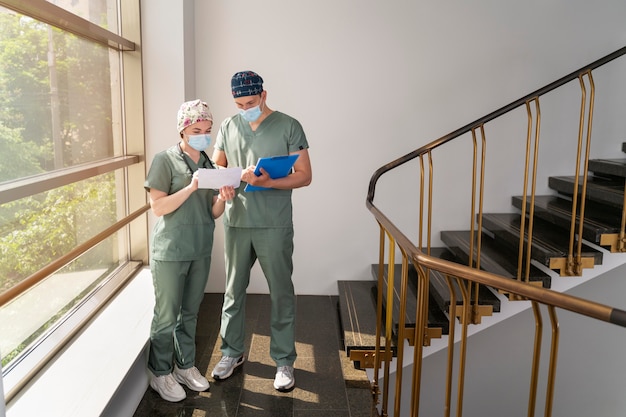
(501, 111)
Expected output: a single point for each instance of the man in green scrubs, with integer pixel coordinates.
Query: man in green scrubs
(258, 224)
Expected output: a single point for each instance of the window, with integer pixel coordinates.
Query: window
(100, 12)
(70, 180)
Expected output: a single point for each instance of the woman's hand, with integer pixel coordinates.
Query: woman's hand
(227, 193)
(193, 185)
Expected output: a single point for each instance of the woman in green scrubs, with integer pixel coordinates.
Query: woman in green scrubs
(181, 251)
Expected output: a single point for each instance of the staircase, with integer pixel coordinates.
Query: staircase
(499, 253)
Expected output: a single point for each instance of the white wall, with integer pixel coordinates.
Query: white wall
(371, 81)
(165, 70)
(167, 48)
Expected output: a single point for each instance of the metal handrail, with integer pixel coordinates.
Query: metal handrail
(497, 113)
(470, 274)
(529, 292)
(424, 263)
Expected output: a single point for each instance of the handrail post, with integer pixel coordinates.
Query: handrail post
(379, 314)
(534, 377)
(554, 351)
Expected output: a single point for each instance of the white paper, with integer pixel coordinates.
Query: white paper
(218, 178)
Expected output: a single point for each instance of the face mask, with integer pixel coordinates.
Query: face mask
(252, 114)
(199, 142)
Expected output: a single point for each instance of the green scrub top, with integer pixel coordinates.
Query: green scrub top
(186, 234)
(279, 134)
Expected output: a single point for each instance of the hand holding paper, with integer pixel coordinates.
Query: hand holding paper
(218, 178)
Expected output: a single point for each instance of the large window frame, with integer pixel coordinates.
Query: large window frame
(133, 225)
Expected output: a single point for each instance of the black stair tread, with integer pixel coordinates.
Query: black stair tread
(599, 218)
(494, 258)
(614, 167)
(549, 242)
(441, 293)
(599, 189)
(357, 314)
(436, 317)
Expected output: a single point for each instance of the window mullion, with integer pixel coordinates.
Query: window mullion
(58, 17)
(26, 187)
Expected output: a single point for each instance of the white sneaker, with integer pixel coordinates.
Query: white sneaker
(192, 378)
(168, 388)
(284, 379)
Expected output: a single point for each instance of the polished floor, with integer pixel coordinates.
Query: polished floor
(327, 384)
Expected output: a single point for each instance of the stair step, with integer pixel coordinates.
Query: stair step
(601, 190)
(549, 246)
(437, 319)
(357, 315)
(613, 167)
(599, 218)
(494, 258)
(441, 293)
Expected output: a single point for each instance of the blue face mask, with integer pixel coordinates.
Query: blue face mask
(199, 142)
(252, 114)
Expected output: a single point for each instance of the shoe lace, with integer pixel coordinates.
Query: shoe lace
(227, 360)
(285, 372)
(194, 373)
(169, 381)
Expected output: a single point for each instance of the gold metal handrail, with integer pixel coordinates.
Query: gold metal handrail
(422, 263)
(527, 230)
(574, 263)
(469, 277)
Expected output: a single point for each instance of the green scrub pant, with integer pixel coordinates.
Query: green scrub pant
(273, 247)
(179, 290)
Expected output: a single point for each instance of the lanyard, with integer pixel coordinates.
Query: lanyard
(206, 158)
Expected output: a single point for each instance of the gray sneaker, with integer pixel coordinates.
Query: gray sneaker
(284, 379)
(226, 366)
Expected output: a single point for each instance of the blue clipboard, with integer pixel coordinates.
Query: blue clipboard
(276, 167)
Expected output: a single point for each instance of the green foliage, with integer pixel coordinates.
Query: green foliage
(18, 158)
(45, 229)
(24, 81)
(56, 89)
(55, 112)
(12, 355)
(51, 78)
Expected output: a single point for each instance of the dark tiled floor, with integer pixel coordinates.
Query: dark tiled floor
(326, 382)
